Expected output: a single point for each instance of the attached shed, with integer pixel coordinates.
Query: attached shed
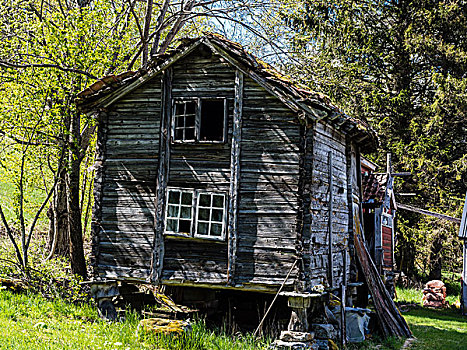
(216, 171)
(379, 213)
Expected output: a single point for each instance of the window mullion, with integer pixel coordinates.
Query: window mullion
(198, 119)
(210, 213)
(195, 209)
(179, 211)
(184, 121)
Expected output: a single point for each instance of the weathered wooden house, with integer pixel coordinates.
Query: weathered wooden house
(216, 171)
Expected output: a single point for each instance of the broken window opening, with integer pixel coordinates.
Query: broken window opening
(212, 120)
(199, 120)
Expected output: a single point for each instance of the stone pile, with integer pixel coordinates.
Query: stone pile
(434, 295)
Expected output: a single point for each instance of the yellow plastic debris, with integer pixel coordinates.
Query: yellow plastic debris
(332, 345)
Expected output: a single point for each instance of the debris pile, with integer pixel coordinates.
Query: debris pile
(295, 340)
(163, 326)
(13, 284)
(434, 295)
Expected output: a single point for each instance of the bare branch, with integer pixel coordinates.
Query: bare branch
(144, 39)
(135, 16)
(182, 18)
(10, 236)
(46, 65)
(22, 142)
(159, 27)
(46, 200)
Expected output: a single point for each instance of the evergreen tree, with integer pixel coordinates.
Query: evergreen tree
(401, 65)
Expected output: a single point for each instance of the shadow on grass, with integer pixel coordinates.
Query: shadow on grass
(438, 329)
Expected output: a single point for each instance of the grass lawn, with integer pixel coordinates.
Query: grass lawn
(32, 322)
(438, 329)
(434, 329)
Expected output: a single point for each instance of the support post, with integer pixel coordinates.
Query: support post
(235, 177)
(303, 243)
(330, 208)
(103, 293)
(343, 298)
(389, 164)
(299, 318)
(162, 177)
(96, 223)
(464, 280)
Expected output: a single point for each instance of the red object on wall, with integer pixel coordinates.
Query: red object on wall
(387, 246)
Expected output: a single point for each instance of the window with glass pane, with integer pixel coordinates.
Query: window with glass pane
(184, 120)
(179, 211)
(211, 212)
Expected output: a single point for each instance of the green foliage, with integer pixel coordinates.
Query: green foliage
(390, 343)
(401, 66)
(414, 295)
(50, 52)
(50, 278)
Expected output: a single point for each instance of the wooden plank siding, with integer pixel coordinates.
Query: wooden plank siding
(268, 188)
(200, 166)
(326, 140)
(130, 171)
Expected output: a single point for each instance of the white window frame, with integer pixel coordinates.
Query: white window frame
(389, 218)
(175, 102)
(195, 212)
(180, 190)
(198, 111)
(210, 221)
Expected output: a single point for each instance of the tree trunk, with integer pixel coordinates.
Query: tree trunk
(436, 258)
(78, 264)
(59, 238)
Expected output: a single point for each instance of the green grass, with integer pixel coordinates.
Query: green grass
(32, 322)
(33, 201)
(28, 321)
(438, 329)
(414, 296)
(5, 200)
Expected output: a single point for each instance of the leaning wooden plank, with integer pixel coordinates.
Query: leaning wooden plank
(391, 321)
(463, 227)
(99, 190)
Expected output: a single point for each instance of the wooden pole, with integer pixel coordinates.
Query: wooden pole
(428, 213)
(330, 207)
(162, 177)
(235, 176)
(389, 164)
(343, 300)
(275, 297)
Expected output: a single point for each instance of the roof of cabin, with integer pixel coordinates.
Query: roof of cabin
(315, 105)
(374, 187)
